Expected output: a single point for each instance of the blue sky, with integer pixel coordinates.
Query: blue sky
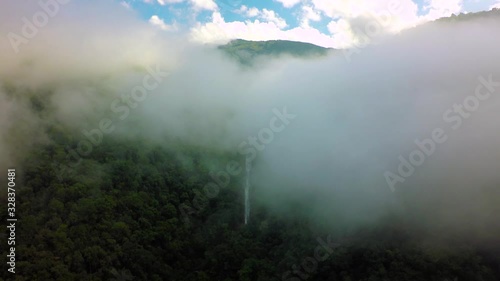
(330, 23)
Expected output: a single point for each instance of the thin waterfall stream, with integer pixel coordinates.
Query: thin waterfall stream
(248, 166)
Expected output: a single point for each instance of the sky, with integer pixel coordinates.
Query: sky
(328, 23)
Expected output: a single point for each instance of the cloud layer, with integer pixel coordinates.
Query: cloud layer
(354, 118)
(345, 20)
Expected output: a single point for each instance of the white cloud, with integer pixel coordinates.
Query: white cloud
(402, 11)
(442, 8)
(346, 30)
(156, 21)
(271, 16)
(204, 4)
(253, 12)
(264, 15)
(249, 12)
(341, 33)
(496, 5)
(220, 31)
(354, 21)
(308, 15)
(289, 3)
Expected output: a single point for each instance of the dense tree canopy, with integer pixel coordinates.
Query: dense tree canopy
(128, 212)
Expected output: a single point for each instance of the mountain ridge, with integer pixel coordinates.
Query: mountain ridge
(246, 51)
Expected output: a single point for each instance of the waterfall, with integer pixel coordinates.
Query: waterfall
(248, 166)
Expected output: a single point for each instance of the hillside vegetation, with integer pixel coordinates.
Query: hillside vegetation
(247, 51)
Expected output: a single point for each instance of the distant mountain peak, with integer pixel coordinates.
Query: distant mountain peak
(247, 51)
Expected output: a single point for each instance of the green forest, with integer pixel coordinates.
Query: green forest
(127, 212)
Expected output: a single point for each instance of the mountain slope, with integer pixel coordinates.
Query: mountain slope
(247, 51)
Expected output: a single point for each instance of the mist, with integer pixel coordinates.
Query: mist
(354, 114)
